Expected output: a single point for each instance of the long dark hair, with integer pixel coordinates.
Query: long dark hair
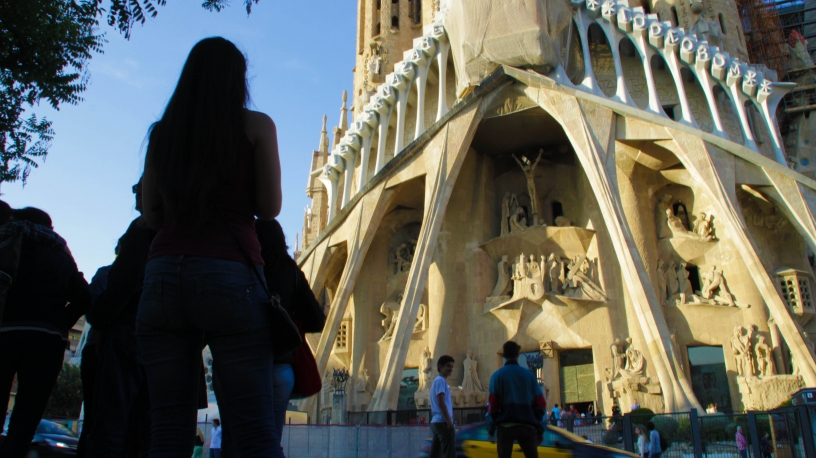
(192, 147)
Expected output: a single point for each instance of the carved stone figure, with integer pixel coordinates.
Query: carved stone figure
(391, 310)
(555, 273)
(671, 279)
(519, 268)
(560, 221)
(684, 288)
(661, 282)
(764, 355)
(328, 390)
(471, 382)
(529, 173)
(425, 367)
(421, 319)
(741, 346)
(663, 205)
(533, 268)
(703, 228)
(518, 222)
(634, 359)
(505, 218)
(579, 285)
(503, 283)
(618, 358)
(713, 281)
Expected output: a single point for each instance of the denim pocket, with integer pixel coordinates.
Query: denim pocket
(224, 309)
(151, 308)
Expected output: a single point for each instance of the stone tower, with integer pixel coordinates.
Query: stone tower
(315, 216)
(385, 28)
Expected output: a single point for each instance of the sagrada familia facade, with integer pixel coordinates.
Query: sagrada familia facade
(603, 182)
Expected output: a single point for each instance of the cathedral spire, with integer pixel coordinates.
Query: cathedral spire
(344, 113)
(324, 138)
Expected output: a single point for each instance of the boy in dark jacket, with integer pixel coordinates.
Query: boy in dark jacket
(516, 406)
(34, 332)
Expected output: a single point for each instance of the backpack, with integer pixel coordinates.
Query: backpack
(663, 443)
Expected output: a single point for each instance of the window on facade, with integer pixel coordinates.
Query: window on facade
(722, 23)
(395, 14)
(341, 342)
(675, 20)
(557, 210)
(794, 287)
(415, 11)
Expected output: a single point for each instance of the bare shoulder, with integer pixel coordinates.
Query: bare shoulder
(259, 126)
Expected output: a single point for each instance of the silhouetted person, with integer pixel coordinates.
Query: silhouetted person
(212, 166)
(34, 332)
(516, 406)
(121, 408)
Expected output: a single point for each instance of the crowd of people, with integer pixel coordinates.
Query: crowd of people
(199, 267)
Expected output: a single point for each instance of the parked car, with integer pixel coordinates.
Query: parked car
(50, 440)
(472, 442)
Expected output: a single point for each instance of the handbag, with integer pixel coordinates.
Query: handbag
(285, 334)
(307, 376)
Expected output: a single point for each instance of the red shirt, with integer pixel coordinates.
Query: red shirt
(213, 239)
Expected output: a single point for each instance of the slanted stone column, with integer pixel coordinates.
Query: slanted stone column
(591, 131)
(444, 156)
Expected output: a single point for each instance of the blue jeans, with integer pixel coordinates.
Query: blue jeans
(284, 383)
(187, 302)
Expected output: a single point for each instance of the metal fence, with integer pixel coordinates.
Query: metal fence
(358, 441)
(787, 431)
(464, 416)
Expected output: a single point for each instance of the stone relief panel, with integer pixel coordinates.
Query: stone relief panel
(760, 386)
(390, 310)
(532, 277)
(675, 287)
(626, 380)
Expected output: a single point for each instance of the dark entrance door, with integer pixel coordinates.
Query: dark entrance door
(577, 375)
(708, 377)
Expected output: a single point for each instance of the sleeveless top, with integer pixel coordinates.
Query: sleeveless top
(236, 202)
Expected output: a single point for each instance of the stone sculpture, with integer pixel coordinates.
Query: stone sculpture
(403, 256)
(503, 284)
(421, 319)
(661, 282)
(518, 221)
(703, 227)
(328, 390)
(634, 360)
(471, 382)
(578, 283)
(555, 273)
(684, 290)
(425, 367)
(505, 218)
(391, 310)
(618, 358)
(529, 173)
(741, 346)
(560, 221)
(764, 355)
(671, 279)
(663, 209)
(715, 289)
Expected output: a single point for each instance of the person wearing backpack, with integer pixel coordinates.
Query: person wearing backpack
(655, 441)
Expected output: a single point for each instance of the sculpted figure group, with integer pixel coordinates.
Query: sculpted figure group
(670, 224)
(752, 359)
(533, 276)
(390, 309)
(626, 361)
(674, 286)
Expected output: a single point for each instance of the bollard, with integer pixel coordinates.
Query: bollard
(754, 434)
(628, 444)
(695, 434)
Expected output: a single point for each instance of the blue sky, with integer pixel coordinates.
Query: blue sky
(300, 54)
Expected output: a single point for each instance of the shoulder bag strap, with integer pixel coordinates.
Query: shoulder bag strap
(246, 255)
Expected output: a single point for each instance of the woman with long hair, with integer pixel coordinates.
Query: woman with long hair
(212, 166)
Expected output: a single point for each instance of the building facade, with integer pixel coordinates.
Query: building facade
(586, 178)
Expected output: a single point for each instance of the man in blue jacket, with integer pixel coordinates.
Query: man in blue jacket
(516, 406)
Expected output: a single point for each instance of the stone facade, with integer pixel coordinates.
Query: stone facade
(620, 216)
